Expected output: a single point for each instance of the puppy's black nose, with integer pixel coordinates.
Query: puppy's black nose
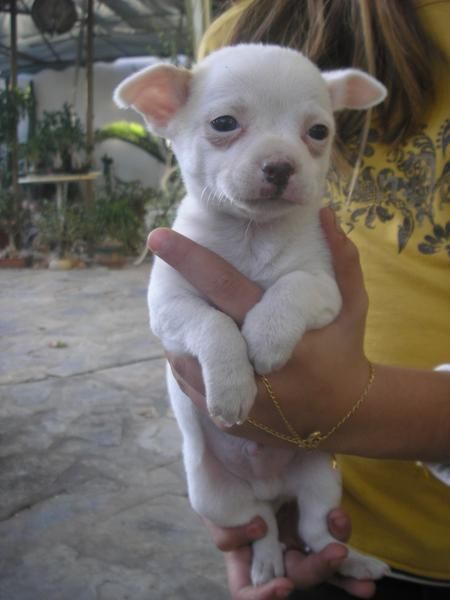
(278, 173)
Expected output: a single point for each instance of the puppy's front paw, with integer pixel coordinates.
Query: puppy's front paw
(361, 566)
(269, 349)
(270, 358)
(230, 399)
(267, 561)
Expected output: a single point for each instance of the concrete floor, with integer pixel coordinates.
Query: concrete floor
(93, 499)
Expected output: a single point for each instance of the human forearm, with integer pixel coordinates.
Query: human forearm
(406, 415)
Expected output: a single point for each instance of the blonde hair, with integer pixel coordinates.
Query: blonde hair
(383, 37)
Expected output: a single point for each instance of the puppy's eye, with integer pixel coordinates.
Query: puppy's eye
(318, 132)
(224, 123)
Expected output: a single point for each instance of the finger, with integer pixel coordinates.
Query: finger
(233, 538)
(210, 274)
(313, 569)
(196, 395)
(346, 264)
(238, 565)
(359, 588)
(185, 367)
(339, 524)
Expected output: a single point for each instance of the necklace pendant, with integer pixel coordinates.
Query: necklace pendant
(313, 439)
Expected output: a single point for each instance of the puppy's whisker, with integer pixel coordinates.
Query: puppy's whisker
(222, 198)
(250, 224)
(206, 195)
(217, 197)
(211, 196)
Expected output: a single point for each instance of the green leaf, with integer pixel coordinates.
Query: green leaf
(136, 134)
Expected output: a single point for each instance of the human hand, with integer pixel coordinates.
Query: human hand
(317, 385)
(303, 570)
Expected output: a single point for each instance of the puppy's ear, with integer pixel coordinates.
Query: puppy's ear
(157, 93)
(351, 88)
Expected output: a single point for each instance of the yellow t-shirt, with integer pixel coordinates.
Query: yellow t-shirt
(399, 218)
(399, 512)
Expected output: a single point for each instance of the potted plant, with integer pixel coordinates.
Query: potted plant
(163, 202)
(13, 221)
(114, 225)
(118, 220)
(57, 142)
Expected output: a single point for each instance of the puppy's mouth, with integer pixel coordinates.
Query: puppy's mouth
(265, 205)
(263, 201)
(273, 199)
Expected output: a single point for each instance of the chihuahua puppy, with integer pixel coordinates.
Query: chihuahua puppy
(252, 129)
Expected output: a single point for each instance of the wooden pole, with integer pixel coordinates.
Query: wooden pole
(199, 14)
(13, 87)
(90, 195)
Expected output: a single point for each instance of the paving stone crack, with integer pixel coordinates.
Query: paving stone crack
(30, 505)
(100, 369)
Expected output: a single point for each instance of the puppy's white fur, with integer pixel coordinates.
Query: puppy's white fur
(266, 225)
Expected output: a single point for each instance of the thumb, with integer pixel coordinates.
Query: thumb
(233, 538)
(346, 264)
(339, 524)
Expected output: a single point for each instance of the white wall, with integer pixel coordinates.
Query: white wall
(53, 88)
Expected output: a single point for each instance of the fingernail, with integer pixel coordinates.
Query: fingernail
(339, 556)
(158, 241)
(340, 522)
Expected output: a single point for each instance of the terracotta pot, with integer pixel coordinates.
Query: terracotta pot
(114, 259)
(18, 262)
(60, 264)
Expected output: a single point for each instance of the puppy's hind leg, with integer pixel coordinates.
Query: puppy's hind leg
(319, 491)
(221, 496)
(228, 501)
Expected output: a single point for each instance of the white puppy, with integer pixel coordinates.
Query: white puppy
(252, 129)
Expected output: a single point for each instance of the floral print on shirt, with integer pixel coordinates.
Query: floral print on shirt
(411, 189)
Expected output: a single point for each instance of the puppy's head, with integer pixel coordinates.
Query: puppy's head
(251, 125)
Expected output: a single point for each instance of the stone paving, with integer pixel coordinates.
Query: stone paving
(93, 499)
